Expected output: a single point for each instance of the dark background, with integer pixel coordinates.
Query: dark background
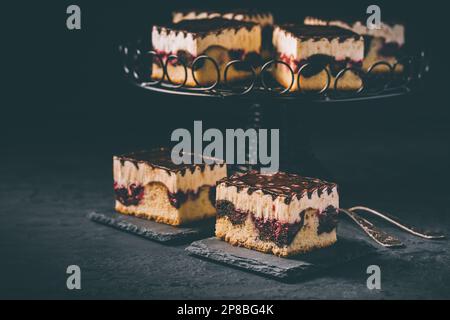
(67, 110)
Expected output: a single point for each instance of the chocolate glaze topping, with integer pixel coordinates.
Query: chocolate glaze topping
(161, 159)
(352, 20)
(235, 12)
(287, 185)
(305, 32)
(202, 27)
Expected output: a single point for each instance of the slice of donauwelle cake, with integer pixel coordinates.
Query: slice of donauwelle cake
(278, 213)
(149, 185)
(385, 43)
(262, 17)
(220, 39)
(321, 47)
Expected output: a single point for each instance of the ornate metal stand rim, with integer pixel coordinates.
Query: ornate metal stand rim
(134, 58)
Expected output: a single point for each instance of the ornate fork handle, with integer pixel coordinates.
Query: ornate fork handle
(376, 234)
(395, 221)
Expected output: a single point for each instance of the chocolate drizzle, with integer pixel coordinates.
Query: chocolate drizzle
(282, 184)
(199, 28)
(161, 159)
(307, 32)
(350, 22)
(247, 13)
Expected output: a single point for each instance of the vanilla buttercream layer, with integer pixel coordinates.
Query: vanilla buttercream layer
(261, 19)
(264, 206)
(141, 173)
(172, 41)
(300, 49)
(394, 33)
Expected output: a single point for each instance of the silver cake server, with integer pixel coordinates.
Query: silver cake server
(395, 221)
(382, 238)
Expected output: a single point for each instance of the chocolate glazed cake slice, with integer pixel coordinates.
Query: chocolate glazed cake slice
(279, 213)
(260, 17)
(147, 184)
(221, 39)
(383, 44)
(320, 46)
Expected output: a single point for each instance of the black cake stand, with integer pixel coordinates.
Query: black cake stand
(260, 92)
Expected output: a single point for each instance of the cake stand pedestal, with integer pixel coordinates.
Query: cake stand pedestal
(269, 105)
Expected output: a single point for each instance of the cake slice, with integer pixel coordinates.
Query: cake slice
(148, 184)
(260, 17)
(279, 213)
(384, 44)
(320, 46)
(221, 39)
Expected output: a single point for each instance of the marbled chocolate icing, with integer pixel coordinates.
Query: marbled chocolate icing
(283, 184)
(203, 27)
(306, 32)
(161, 159)
(235, 12)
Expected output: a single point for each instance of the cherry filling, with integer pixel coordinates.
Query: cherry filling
(177, 199)
(132, 195)
(274, 230)
(280, 233)
(317, 63)
(327, 220)
(129, 196)
(227, 209)
(252, 58)
(184, 57)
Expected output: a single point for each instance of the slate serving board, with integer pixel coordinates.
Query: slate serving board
(286, 269)
(152, 230)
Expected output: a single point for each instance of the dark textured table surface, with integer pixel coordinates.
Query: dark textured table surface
(44, 229)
